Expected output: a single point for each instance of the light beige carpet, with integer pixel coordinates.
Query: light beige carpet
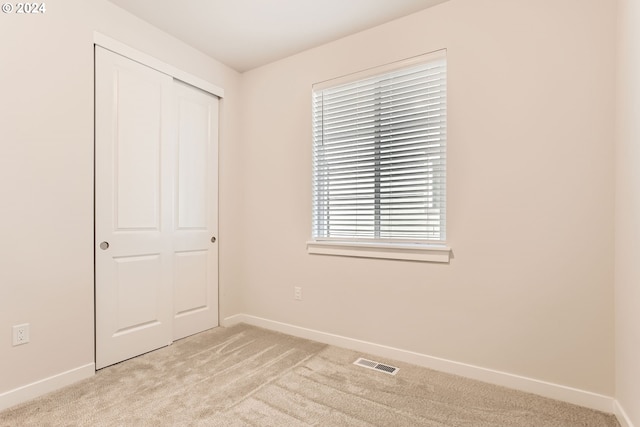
(247, 376)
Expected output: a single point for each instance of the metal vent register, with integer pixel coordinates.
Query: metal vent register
(370, 364)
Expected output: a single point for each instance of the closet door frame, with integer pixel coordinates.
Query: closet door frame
(151, 62)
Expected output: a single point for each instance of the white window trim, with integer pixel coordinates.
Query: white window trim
(397, 251)
(429, 251)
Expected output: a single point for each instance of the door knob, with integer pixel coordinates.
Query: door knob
(213, 239)
(104, 246)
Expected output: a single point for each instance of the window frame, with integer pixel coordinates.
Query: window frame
(430, 250)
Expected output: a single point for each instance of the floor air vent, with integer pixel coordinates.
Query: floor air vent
(365, 363)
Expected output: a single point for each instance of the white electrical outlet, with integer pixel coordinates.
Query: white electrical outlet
(20, 334)
(297, 293)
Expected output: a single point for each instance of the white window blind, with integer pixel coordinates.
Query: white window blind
(379, 155)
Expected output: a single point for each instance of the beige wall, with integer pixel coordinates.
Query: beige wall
(530, 200)
(627, 284)
(46, 178)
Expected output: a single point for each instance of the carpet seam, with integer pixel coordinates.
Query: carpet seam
(274, 379)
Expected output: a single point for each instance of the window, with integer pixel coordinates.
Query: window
(379, 159)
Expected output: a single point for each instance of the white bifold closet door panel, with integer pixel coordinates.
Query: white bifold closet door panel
(155, 209)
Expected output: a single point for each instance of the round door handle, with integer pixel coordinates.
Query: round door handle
(213, 239)
(104, 246)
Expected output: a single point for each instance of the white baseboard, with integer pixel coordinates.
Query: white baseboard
(554, 391)
(621, 415)
(38, 388)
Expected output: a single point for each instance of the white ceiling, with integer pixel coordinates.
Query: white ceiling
(245, 34)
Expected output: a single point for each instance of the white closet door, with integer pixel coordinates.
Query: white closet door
(134, 266)
(195, 251)
(156, 209)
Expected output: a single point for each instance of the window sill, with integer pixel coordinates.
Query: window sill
(402, 251)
